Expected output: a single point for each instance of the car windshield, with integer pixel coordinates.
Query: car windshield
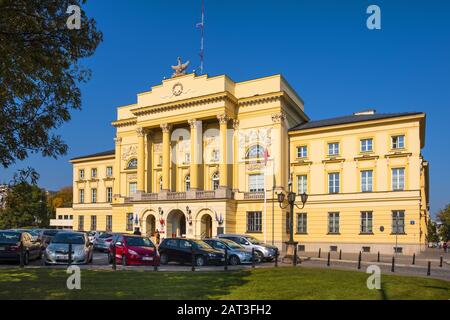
(201, 244)
(9, 237)
(139, 242)
(33, 232)
(50, 232)
(253, 240)
(231, 244)
(73, 238)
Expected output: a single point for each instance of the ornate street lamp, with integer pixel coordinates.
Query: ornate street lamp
(291, 244)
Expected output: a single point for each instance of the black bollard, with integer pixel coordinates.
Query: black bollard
(155, 257)
(414, 258)
(440, 262)
(340, 254)
(253, 257)
(429, 268)
(295, 256)
(393, 264)
(378, 258)
(193, 259)
(22, 257)
(226, 259)
(276, 258)
(328, 260)
(114, 262)
(69, 260)
(359, 260)
(320, 250)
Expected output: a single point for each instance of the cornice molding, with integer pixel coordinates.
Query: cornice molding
(124, 122)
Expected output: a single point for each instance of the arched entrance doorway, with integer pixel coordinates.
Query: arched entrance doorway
(176, 224)
(206, 227)
(150, 225)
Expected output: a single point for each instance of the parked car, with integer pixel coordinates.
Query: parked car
(180, 250)
(57, 252)
(237, 254)
(103, 242)
(93, 235)
(133, 250)
(264, 252)
(34, 233)
(10, 246)
(46, 235)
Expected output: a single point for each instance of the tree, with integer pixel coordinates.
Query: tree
(432, 234)
(61, 199)
(444, 218)
(39, 74)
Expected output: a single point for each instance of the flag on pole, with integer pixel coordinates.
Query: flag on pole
(266, 156)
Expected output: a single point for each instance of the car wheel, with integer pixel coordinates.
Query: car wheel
(259, 257)
(164, 259)
(200, 261)
(234, 260)
(26, 258)
(124, 261)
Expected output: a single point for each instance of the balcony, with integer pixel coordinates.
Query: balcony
(64, 223)
(175, 196)
(253, 195)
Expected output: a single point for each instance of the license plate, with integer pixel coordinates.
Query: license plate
(147, 258)
(61, 257)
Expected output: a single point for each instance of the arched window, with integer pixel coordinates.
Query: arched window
(187, 182)
(160, 183)
(255, 152)
(132, 164)
(215, 181)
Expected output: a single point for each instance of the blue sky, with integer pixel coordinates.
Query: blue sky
(323, 49)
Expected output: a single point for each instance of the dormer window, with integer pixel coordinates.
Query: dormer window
(132, 164)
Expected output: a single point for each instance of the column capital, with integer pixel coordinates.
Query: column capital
(141, 132)
(235, 124)
(278, 117)
(192, 123)
(223, 118)
(118, 140)
(166, 127)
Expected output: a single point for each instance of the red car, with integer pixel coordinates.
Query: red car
(133, 250)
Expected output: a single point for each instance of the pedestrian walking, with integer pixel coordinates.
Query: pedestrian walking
(445, 246)
(158, 237)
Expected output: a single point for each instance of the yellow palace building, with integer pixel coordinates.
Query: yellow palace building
(196, 156)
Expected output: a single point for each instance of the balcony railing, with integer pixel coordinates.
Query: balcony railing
(176, 195)
(254, 195)
(205, 194)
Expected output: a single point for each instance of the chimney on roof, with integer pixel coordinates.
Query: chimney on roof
(365, 112)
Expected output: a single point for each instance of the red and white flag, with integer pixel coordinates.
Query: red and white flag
(266, 156)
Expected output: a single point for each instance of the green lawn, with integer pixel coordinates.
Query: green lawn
(281, 283)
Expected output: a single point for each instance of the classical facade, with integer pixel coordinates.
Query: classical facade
(198, 155)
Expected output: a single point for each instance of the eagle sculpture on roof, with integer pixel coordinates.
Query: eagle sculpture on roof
(180, 68)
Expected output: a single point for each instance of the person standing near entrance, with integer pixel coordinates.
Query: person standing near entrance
(137, 232)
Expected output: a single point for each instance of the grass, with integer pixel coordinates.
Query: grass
(281, 283)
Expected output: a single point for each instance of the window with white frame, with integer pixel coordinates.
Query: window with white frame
(81, 195)
(302, 152)
(132, 164)
(256, 182)
(366, 222)
(187, 183)
(333, 222)
(109, 194)
(398, 221)
(366, 145)
(333, 149)
(109, 223)
(302, 184)
(398, 142)
(254, 221)
(94, 173)
(94, 195)
(109, 172)
(215, 181)
(255, 152)
(132, 187)
(333, 182)
(366, 180)
(81, 174)
(398, 179)
(302, 223)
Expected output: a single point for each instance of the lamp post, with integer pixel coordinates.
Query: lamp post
(291, 244)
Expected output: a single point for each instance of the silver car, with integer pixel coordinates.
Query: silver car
(57, 252)
(237, 254)
(262, 251)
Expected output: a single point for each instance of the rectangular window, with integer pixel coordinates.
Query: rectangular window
(109, 223)
(333, 182)
(254, 221)
(333, 149)
(302, 223)
(366, 222)
(109, 172)
(80, 223)
(398, 142)
(256, 182)
(132, 188)
(94, 195)
(94, 173)
(81, 174)
(81, 195)
(302, 152)
(398, 222)
(302, 184)
(398, 179)
(366, 145)
(109, 194)
(129, 222)
(93, 223)
(366, 180)
(333, 222)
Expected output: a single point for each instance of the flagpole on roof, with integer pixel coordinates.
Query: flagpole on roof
(201, 26)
